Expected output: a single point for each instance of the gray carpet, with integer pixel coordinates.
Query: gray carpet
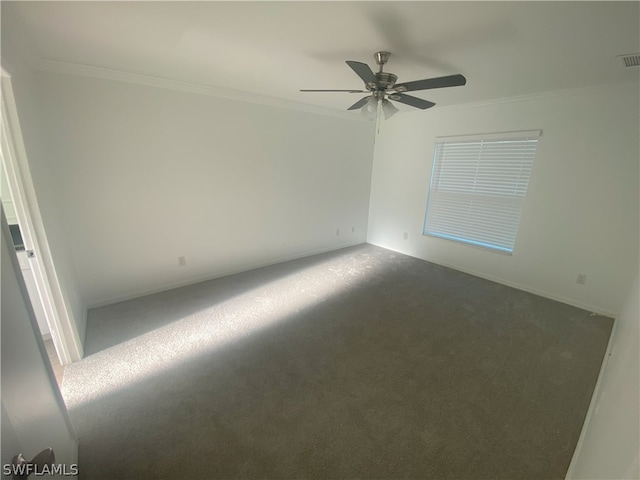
(360, 363)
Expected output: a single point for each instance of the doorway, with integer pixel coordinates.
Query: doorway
(8, 203)
(19, 201)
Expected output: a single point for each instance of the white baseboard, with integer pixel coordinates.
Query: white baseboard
(509, 283)
(244, 268)
(592, 405)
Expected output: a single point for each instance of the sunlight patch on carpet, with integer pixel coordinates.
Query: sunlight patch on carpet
(211, 328)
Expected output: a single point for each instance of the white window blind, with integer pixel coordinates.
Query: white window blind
(478, 186)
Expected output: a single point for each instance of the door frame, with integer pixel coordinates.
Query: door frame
(31, 374)
(64, 332)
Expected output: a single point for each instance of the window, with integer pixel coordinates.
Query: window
(478, 186)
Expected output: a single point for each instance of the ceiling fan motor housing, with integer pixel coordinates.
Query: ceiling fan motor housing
(386, 80)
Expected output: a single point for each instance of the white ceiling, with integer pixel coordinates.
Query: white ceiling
(274, 49)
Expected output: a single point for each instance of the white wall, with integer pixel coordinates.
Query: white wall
(611, 441)
(581, 212)
(145, 175)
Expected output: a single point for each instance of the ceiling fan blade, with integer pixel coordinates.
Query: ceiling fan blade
(348, 91)
(363, 70)
(360, 103)
(412, 101)
(45, 457)
(439, 82)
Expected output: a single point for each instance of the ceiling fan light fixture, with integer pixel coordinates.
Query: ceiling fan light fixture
(370, 109)
(389, 109)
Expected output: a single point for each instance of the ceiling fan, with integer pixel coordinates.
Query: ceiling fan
(382, 87)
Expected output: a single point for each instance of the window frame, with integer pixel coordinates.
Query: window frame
(495, 191)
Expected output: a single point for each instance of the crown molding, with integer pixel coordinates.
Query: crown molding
(589, 89)
(92, 71)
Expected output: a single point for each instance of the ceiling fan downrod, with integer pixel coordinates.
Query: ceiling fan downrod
(384, 80)
(381, 58)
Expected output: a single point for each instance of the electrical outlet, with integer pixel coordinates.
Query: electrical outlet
(182, 261)
(353, 229)
(405, 235)
(581, 279)
(337, 232)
